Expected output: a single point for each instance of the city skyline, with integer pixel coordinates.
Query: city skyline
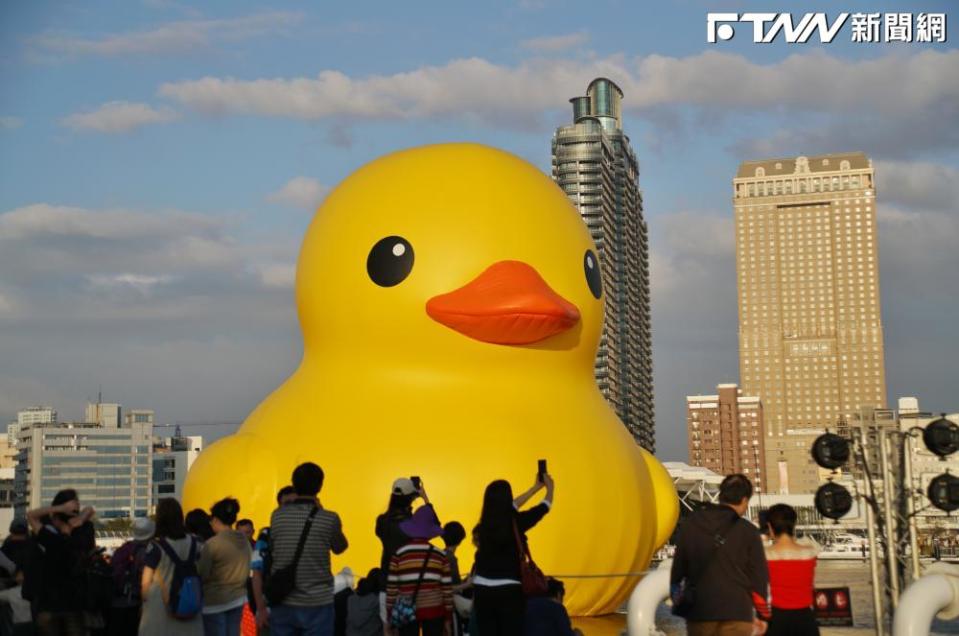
(158, 166)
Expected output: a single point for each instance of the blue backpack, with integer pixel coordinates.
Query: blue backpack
(185, 599)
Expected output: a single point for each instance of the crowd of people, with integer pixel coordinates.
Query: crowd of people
(203, 572)
(726, 581)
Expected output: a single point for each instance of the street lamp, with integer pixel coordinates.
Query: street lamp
(830, 451)
(943, 492)
(941, 437)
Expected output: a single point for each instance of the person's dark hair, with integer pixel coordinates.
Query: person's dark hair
(782, 518)
(226, 511)
(370, 584)
(734, 489)
(244, 522)
(263, 534)
(453, 534)
(496, 520)
(401, 504)
(307, 479)
(197, 523)
(284, 491)
(169, 519)
(555, 588)
(62, 497)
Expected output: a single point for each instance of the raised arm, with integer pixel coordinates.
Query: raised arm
(521, 500)
(85, 515)
(35, 517)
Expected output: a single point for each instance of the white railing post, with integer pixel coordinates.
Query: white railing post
(652, 590)
(936, 592)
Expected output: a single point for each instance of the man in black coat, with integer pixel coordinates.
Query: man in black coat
(720, 567)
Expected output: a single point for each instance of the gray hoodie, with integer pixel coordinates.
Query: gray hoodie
(363, 615)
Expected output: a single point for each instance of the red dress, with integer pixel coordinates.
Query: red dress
(792, 574)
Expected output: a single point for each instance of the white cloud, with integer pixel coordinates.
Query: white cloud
(281, 275)
(300, 192)
(477, 88)
(918, 184)
(7, 306)
(554, 43)
(173, 37)
(119, 117)
(141, 283)
(45, 220)
(8, 122)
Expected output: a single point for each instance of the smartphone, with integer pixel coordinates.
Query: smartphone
(541, 470)
(417, 482)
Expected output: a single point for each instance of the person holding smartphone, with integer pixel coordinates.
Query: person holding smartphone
(498, 598)
(405, 491)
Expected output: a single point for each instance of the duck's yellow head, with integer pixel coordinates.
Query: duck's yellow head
(447, 256)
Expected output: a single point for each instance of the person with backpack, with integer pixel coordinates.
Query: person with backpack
(50, 584)
(419, 589)
(170, 587)
(299, 583)
(224, 568)
(92, 577)
(719, 580)
(127, 563)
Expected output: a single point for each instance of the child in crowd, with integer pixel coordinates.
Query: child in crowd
(363, 608)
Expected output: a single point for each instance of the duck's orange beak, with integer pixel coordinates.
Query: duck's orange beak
(509, 303)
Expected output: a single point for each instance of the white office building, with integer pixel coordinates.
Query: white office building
(172, 459)
(108, 464)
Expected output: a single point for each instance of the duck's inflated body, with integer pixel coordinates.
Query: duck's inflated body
(451, 311)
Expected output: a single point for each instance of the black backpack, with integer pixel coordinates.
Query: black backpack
(94, 578)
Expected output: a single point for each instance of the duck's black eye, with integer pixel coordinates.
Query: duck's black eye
(390, 261)
(593, 278)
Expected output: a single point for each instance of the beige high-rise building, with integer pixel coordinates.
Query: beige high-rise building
(810, 330)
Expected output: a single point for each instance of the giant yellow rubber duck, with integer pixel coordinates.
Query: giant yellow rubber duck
(451, 305)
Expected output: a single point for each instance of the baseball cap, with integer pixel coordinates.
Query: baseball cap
(403, 486)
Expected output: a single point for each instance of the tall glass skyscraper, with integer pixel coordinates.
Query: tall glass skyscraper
(595, 165)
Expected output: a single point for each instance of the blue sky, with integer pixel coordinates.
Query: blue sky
(158, 164)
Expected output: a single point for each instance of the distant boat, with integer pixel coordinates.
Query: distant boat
(845, 546)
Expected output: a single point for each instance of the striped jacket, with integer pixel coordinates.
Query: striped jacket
(435, 597)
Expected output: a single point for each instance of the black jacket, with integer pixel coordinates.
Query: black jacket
(734, 581)
(498, 554)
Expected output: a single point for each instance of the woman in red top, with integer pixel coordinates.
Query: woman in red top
(792, 571)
